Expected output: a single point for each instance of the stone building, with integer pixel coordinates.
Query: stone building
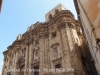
(88, 12)
(0, 4)
(56, 44)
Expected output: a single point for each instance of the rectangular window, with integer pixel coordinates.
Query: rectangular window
(36, 42)
(53, 34)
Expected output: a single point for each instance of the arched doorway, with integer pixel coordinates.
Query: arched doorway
(21, 65)
(21, 70)
(8, 73)
(36, 68)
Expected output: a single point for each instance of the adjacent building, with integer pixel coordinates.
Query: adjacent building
(89, 15)
(54, 47)
(0, 4)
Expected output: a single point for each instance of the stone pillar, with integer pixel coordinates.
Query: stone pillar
(5, 73)
(30, 58)
(58, 49)
(51, 53)
(41, 47)
(3, 70)
(65, 47)
(8, 65)
(69, 36)
(15, 63)
(26, 59)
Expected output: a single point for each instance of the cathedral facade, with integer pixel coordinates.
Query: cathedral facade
(54, 47)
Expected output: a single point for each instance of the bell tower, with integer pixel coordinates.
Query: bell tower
(54, 11)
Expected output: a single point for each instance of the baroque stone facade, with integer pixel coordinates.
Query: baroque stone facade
(57, 43)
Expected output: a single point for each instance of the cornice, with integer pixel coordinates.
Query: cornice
(5, 52)
(63, 13)
(16, 42)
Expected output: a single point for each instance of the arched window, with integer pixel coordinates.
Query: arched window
(36, 54)
(53, 34)
(56, 11)
(50, 17)
(55, 49)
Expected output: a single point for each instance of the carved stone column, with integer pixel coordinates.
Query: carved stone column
(26, 59)
(3, 70)
(41, 47)
(8, 62)
(15, 64)
(65, 46)
(30, 59)
(5, 73)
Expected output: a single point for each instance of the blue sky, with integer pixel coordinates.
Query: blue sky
(17, 15)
